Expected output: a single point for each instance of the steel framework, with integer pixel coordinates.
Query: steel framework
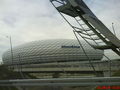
(88, 26)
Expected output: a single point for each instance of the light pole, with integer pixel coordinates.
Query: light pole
(114, 29)
(11, 49)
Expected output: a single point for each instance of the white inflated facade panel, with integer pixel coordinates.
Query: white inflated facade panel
(45, 51)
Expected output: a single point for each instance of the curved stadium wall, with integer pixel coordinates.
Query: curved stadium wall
(45, 51)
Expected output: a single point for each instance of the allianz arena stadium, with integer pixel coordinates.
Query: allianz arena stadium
(47, 51)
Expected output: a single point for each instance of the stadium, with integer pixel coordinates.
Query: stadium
(47, 51)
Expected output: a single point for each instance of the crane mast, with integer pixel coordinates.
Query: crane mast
(89, 27)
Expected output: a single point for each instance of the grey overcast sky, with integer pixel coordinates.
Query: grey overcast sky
(30, 20)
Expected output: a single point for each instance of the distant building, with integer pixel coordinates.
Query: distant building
(45, 51)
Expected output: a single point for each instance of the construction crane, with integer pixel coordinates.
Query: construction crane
(89, 27)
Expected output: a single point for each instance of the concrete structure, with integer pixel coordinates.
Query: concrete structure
(71, 69)
(45, 51)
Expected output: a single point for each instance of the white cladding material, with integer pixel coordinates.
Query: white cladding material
(45, 51)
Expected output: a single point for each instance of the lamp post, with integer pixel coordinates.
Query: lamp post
(11, 49)
(113, 29)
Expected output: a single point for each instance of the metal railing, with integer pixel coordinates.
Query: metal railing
(90, 81)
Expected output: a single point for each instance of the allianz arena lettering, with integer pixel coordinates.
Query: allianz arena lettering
(70, 46)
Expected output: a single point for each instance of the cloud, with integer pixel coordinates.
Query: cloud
(29, 20)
